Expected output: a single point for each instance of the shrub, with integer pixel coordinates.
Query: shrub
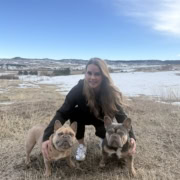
(33, 73)
(59, 72)
(8, 76)
(25, 72)
(20, 73)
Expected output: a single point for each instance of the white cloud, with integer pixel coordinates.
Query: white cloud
(160, 15)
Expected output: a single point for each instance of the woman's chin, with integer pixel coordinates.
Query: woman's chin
(95, 88)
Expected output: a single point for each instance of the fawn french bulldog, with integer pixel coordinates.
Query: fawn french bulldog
(61, 143)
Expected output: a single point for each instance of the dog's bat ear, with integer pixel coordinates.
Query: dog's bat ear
(74, 126)
(127, 123)
(57, 125)
(107, 121)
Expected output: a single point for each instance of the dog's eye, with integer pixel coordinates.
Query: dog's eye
(71, 134)
(60, 134)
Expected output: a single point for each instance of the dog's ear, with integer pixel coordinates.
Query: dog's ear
(74, 126)
(127, 124)
(107, 121)
(57, 125)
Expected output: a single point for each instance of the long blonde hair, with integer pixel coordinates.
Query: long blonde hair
(110, 97)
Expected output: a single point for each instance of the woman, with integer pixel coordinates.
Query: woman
(87, 103)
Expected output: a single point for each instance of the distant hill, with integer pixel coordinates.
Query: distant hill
(77, 66)
(148, 62)
(110, 62)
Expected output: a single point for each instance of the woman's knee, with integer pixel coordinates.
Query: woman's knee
(100, 132)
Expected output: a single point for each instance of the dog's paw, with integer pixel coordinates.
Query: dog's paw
(47, 173)
(27, 161)
(133, 173)
(72, 164)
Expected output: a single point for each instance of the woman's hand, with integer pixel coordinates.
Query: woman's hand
(132, 146)
(45, 149)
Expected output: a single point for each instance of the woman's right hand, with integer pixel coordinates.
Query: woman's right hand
(45, 148)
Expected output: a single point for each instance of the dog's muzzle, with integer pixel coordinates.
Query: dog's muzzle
(65, 144)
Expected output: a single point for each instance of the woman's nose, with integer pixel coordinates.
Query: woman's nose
(93, 76)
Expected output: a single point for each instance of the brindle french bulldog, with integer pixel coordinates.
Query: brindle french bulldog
(62, 141)
(117, 141)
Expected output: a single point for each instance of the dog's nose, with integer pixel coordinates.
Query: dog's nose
(66, 136)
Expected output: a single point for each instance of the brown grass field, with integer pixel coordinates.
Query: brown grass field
(156, 125)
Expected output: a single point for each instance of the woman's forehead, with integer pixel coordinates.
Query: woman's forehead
(93, 67)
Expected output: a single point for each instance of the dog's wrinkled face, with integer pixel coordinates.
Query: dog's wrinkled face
(64, 137)
(116, 133)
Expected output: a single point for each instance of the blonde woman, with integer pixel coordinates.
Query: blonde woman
(87, 103)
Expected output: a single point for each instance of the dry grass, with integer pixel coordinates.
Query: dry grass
(156, 125)
(169, 95)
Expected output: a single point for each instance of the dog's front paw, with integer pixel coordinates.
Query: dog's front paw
(133, 172)
(72, 164)
(47, 173)
(27, 161)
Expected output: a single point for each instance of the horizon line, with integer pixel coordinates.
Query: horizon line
(17, 57)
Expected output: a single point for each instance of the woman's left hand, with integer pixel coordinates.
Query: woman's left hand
(132, 150)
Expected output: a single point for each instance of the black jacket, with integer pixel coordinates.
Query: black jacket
(75, 98)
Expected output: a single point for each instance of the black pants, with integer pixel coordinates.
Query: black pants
(83, 119)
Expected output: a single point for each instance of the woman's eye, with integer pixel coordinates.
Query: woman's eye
(89, 73)
(97, 74)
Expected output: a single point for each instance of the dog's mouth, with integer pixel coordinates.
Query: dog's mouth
(114, 144)
(63, 144)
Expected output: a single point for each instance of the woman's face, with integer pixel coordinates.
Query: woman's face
(93, 76)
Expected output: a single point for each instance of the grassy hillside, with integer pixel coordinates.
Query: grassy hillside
(156, 125)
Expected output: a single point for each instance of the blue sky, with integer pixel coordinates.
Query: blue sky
(82, 29)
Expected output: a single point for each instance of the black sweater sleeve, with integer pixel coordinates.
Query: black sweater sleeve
(120, 117)
(63, 113)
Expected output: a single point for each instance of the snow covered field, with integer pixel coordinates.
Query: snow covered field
(131, 84)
